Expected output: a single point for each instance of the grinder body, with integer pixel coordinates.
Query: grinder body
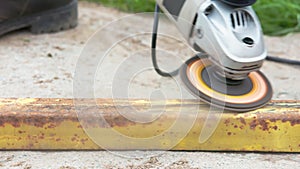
(228, 38)
(228, 31)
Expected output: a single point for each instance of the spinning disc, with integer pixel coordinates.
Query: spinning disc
(249, 94)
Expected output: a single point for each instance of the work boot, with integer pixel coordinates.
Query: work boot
(40, 16)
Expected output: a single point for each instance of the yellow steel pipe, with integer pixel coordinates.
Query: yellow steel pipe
(54, 124)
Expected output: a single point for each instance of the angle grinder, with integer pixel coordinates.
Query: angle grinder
(228, 37)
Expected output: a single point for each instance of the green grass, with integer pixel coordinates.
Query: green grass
(278, 17)
(129, 5)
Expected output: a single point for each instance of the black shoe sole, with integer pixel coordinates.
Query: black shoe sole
(53, 20)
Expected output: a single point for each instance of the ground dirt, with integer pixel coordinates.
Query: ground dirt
(44, 66)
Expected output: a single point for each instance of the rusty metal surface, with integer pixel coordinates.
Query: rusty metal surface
(37, 124)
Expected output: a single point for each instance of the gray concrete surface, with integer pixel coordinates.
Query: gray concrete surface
(44, 66)
(177, 160)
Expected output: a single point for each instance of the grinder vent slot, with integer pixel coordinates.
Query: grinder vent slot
(240, 19)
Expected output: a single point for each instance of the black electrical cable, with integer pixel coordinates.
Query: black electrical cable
(283, 60)
(153, 47)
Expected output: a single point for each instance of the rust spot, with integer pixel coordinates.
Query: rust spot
(235, 126)
(21, 132)
(73, 139)
(58, 139)
(83, 140)
(51, 126)
(275, 127)
(41, 137)
(52, 134)
(292, 117)
(295, 122)
(242, 120)
(253, 124)
(50, 113)
(227, 122)
(30, 145)
(229, 133)
(118, 121)
(264, 125)
(35, 114)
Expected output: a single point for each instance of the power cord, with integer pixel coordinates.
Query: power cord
(283, 60)
(153, 47)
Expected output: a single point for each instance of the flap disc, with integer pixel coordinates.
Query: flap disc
(249, 94)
